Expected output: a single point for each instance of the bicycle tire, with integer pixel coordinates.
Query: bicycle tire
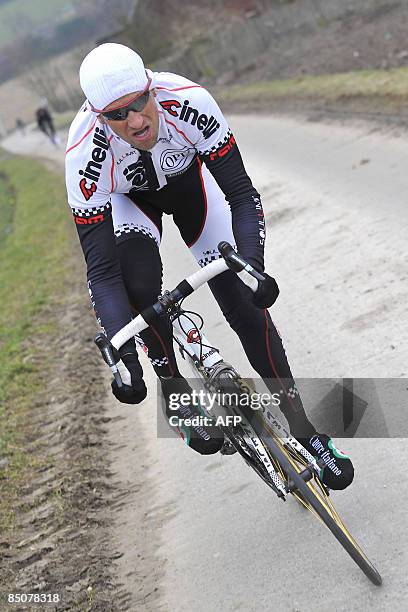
(345, 539)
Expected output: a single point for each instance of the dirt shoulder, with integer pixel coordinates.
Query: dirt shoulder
(62, 534)
(60, 541)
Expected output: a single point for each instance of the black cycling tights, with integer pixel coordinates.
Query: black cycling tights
(142, 272)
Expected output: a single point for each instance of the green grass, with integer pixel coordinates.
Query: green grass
(6, 207)
(33, 255)
(389, 86)
(34, 12)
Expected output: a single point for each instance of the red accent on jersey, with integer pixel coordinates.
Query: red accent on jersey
(83, 138)
(111, 173)
(177, 130)
(224, 150)
(168, 106)
(88, 220)
(87, 191)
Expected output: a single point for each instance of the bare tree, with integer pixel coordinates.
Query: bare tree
(48, 81)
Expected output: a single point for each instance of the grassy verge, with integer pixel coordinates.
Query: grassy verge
(34, 238)
(370, 90)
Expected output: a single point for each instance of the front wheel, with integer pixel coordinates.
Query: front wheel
(337, 528)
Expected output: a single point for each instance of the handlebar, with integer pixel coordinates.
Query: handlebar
(110, 355)
(230, 260)
(236, 263)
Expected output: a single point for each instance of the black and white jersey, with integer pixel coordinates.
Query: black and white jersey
(98, 162)
(194, 171)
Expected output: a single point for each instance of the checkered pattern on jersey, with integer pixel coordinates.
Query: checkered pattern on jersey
(293, 392)
(219, 145)
(91, 212)
(159, 363)
(128, 228)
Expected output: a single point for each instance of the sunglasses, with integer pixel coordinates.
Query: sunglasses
(137, 104)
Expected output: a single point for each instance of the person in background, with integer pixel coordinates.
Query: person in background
(45, 122)
(20, 126)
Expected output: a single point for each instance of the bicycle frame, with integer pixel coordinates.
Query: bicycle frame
(190, 340)
(203, 363)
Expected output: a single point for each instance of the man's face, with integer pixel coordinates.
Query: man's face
(139, 129)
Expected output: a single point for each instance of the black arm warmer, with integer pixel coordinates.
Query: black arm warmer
(106, 288)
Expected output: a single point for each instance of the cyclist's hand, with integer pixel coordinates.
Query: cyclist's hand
(267, 292)
(135, 393)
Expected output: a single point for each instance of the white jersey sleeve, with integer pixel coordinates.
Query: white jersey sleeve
(212, 128)
(195, 112)
(89, 166)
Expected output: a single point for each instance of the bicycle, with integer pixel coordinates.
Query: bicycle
(259, 437)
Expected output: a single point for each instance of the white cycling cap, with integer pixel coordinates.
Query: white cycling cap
(109, 72)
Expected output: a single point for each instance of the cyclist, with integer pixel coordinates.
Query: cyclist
(146, 144)
(21, 126)
(45, 122)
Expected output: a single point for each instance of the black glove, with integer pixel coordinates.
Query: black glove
(267, 292)
(137, 392)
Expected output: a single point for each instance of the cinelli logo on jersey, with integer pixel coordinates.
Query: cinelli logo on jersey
(92, 171)
(189, 114)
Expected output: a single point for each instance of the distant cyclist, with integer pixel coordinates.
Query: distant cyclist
(21, 126)
(146, 144)
(45, 122)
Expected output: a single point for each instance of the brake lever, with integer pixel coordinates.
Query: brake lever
(236, 262)
(110, 356)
